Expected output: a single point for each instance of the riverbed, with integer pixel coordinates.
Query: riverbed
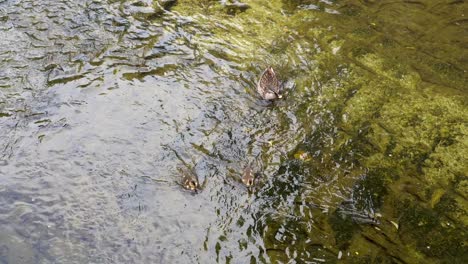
(364, 160)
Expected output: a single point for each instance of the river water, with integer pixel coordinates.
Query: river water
(363, 161)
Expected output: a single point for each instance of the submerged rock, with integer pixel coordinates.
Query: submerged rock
(167, 4)
(141, 8)
(233, 6)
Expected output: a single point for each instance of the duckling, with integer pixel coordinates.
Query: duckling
(189, 180)
(248, 177)
(268, 85)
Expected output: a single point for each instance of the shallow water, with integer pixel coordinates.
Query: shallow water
(364, 161)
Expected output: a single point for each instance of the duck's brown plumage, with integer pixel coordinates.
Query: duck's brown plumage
(248, 177)
(268, 85)
(189, 180)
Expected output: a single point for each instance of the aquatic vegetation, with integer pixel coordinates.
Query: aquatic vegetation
(387, 116)
(363, 161)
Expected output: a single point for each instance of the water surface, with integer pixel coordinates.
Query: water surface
(364, 161)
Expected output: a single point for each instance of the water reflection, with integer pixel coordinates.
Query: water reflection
(101, 102)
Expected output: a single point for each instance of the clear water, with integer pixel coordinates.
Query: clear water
(364, 161)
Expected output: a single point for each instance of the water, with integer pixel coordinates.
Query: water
(363, 161)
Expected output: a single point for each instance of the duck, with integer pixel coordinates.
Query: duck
(268, 85)
(248, 176)
(189, 180)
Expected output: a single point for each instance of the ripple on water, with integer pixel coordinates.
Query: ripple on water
(102, 101)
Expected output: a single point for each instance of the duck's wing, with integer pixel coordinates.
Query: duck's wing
(247, 171)
(275, 84)
(261, 84)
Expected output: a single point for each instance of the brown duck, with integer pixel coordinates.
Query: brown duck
(189, 179)
(268, 85)
(248, 177)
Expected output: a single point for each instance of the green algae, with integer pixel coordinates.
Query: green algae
(391, 93)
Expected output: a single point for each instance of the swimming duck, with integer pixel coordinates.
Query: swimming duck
(268, 86)
(248, 177)
(189, 179)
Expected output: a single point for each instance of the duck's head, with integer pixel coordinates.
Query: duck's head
(272, 95)
(278, 94)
